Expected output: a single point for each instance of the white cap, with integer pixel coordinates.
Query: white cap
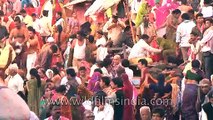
(50, 40)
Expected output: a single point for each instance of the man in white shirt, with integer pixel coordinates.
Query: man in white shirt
(70, 74)
(207, 47)
(114, 28)
(101, 40)
(35, 24)
(142, 49)
(14, 81)
(129, 72)
(102, 110)
(207, 9)
(59, 20)
(45, 26)
(183, 35)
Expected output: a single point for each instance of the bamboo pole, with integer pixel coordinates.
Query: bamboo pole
(130, 21)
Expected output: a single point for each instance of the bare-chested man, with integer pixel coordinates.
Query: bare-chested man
(18, 38)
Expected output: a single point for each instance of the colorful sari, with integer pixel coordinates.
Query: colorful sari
(94, 82)
(65, 105)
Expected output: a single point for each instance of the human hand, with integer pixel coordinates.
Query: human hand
(101, 108)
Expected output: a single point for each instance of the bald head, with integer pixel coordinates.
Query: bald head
(116, 59)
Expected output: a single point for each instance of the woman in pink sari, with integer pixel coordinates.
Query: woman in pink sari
(163, 11)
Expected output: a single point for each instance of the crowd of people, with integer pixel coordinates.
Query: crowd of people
(53, 67)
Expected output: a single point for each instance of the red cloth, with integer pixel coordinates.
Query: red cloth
(40, 42)
(128, 94)
(155, 57)
(30, 10)
(11, 26)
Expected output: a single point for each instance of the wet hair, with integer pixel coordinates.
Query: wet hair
(195, 64)
(54, 48)
(30, 28)
(191, 12)
(61, 89)
(125, 63)
(144, 37)
(185, 16)
(143, 62)
(100, 96)
(184, 2)
(98, 70)
(209, 19)
(34, 72)
(71, 72)
(106, 80)
(106, 62)
(33, 15)
(161, 81)
(118, 81)
(23, 11)
(45, 13)
(127, 29)
(17, 19)
(207, 1)
(115, 17)
(91, 39)
(195, 32)
(176, 11)
(56, 71)
(1, 13)
(159, 111)
(199, 15)
(59, 13)
(82, 68)
(119, 71)
(210, 94)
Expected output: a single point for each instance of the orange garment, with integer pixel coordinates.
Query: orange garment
(65, 105)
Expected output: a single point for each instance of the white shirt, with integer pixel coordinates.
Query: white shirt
(101, 41)
(129, 72)
(207, 41)
(207, 11)
(113, 33)
(106, 114)
(48, 6)
(135, 5)
(64, 80)
(141, 49)
(60, 22)
(36, 25)
(15, 83)
(45, 26)
(79, 51)
(105, 72)
(183, 33)
(194, 50)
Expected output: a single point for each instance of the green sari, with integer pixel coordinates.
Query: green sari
(34, 95)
